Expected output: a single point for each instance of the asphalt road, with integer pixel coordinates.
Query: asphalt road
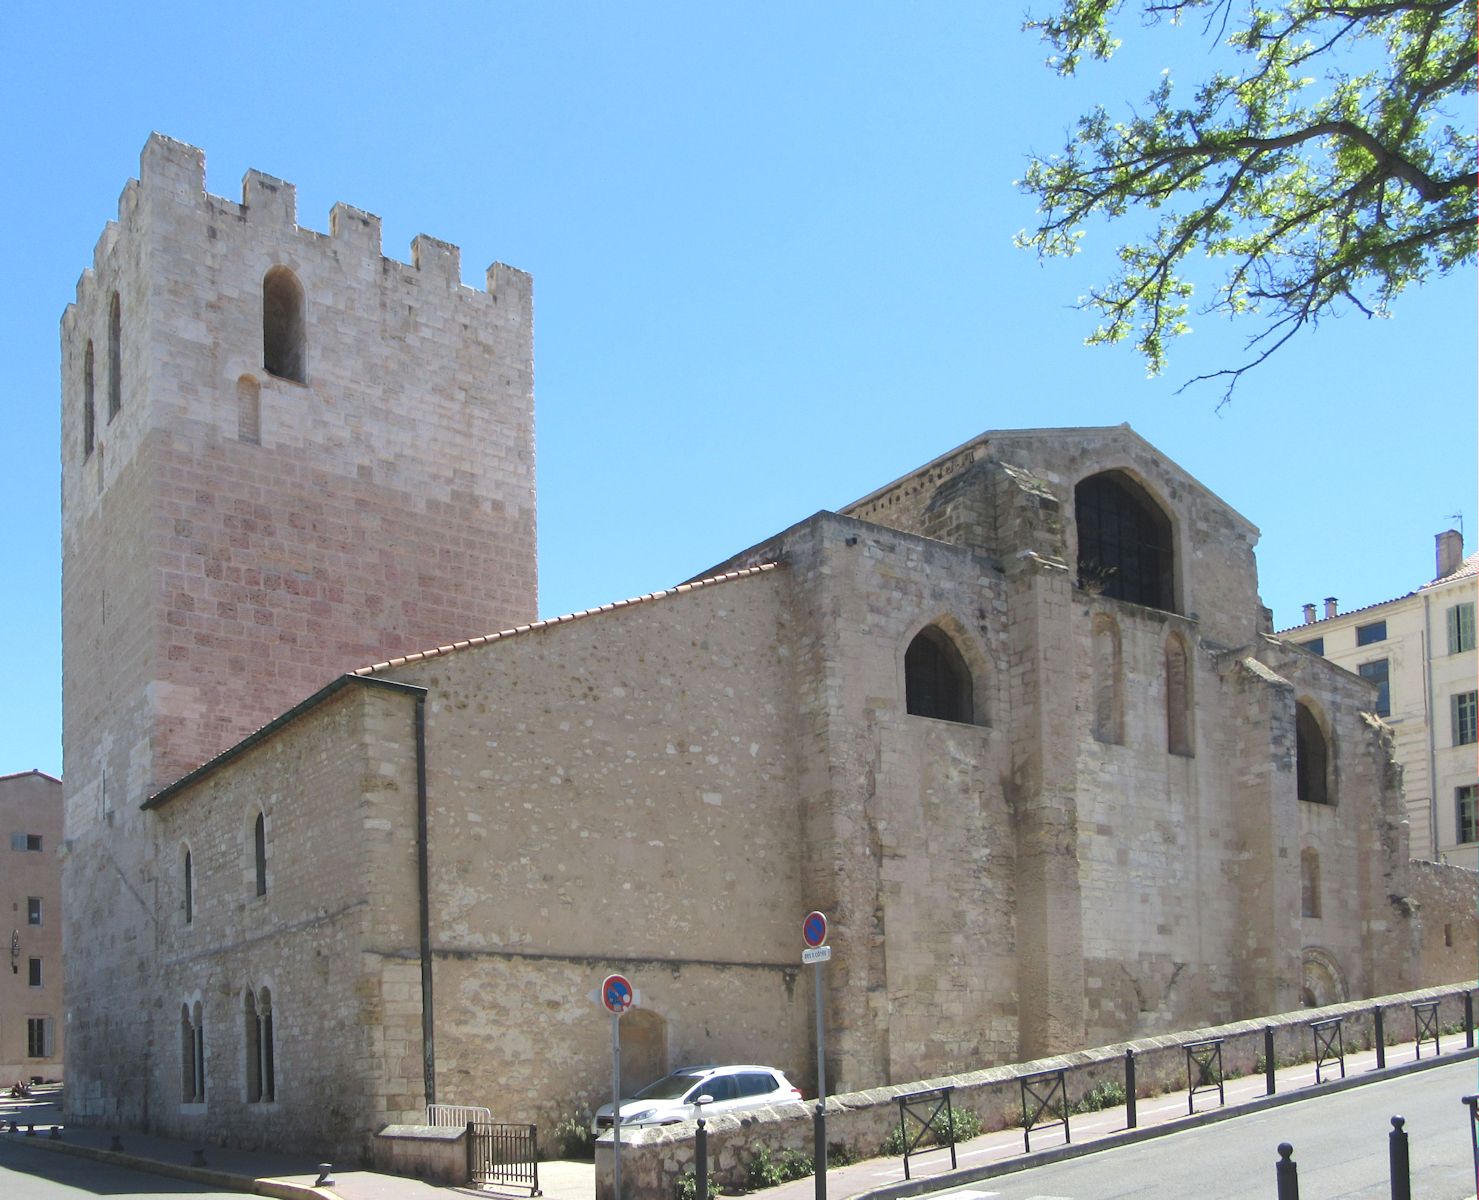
(1340, 1146)
(27, 1173)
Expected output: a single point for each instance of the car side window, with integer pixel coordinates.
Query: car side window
(757, 1083)
(720, 1087)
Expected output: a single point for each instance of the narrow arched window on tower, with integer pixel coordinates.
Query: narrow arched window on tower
(189, 879)
(187, 1056)
(115, 357)
(89, 404)
(284, 333)
(249, 410)
(937, 682)
(259, 853)
(1178, 698)
(1311, 757)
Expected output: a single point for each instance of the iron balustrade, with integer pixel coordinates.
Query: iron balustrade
(1329, 1045)
(503, 1154)
(1044, 1093)
(1203, 1071)
(1425, 1018)
(1472, 1104)
(456, 1116)
(937, 1100)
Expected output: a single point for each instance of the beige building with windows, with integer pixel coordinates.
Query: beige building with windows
(31, 899)
(350, 831)
(1419, 652)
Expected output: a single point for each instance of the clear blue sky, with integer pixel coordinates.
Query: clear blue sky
(773, 265)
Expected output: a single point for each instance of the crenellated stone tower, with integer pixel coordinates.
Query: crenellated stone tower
(284, 456)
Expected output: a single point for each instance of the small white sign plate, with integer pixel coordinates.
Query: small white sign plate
(817, 954)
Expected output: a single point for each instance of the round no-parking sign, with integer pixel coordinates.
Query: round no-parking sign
(616, 994)
(814, 929)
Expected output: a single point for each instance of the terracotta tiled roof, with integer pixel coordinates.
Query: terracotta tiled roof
(565, 620)
(1467, 570)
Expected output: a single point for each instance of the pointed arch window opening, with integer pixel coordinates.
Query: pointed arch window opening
(89, 403)
(1125, 547)
(115, 357)
(1311, 757)
(284, 326)
(937, 680)
(259, 853)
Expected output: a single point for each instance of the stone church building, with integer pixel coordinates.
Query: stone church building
(1016, 722)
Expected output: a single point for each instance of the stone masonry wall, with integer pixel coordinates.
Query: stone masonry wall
(615, 792)
(1448, 904)
(31, 807)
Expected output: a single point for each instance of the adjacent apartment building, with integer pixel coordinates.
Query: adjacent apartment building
(1419, 651)
(31, 896)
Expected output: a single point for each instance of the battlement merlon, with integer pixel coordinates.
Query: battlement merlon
(175, 171)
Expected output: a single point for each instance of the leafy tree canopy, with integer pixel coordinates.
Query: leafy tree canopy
(1331, 171)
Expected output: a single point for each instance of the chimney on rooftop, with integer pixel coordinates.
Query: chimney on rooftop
(1450, 552)
(1309, 614)
(1329, 607)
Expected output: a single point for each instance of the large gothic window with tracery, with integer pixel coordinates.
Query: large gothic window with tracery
(1124, 542)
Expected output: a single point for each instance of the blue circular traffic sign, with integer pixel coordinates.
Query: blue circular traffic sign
(616, 994)
(814, 929)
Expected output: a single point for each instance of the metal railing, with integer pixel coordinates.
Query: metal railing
(1203, 1071)
(1329, 1045)
(1044, 1093)
(923, 1108)
(503, 1154)
(456, 1116)
(1425, 1018)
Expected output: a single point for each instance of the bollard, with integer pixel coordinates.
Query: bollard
(325, 1175)
(116, 1145)
(701, 1158)
(30, 1131)
(198, 1157)
(56, 1133)
(1469, 1020)
(1286, 1173)
(1397, 1152)
(1129, 1089)
(1381, 1039)
(1268, 1060)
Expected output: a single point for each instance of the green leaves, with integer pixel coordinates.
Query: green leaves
(1329, 173)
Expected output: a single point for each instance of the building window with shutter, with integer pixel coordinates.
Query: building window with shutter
(1461, 628)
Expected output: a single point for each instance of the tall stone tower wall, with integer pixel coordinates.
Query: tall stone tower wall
(284, 456)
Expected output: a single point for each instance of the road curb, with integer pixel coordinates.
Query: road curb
(1130, 1137)
(280, 1189)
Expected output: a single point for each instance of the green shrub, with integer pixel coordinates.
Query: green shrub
(840, 1154)
(573, 1137)
(687, 1188)
(1107, 1093)
(964, 1125)
(767, 1170)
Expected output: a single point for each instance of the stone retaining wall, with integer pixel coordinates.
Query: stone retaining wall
(654, 1160)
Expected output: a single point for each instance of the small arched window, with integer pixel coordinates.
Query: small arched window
(89, 404)
(1309, 882)
(937, 682)
(249, 410)
(192, 1054)
(284, 331)
(1109, 686)
(188, 873)
(1311, 757)
(259, 853)
(1178, 697)
(1124, 542)
(115, 357)
(261, 1069)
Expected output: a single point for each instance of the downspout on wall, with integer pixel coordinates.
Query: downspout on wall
(423, 896)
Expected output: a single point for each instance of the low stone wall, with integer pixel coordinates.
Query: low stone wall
(654, 1160)
(435, 1153)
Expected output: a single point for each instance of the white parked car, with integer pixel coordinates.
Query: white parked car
(674, 1097)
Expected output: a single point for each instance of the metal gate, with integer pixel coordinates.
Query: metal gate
(503, 1154)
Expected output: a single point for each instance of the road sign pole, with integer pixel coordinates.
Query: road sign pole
(819, 1150)
(616, 1106)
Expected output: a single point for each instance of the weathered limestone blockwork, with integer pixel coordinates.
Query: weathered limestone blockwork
(1012, 721)
(234, 538)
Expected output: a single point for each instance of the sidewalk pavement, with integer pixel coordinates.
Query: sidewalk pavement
(295, 1177)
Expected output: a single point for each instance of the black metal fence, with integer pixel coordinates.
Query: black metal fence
(923, 1108)
(503, 1154)
(1044, 1094)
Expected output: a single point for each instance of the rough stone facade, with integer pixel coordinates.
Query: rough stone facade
(1040, 815)
(234, 536)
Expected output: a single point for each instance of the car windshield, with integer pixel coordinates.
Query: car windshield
(669, 1087)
